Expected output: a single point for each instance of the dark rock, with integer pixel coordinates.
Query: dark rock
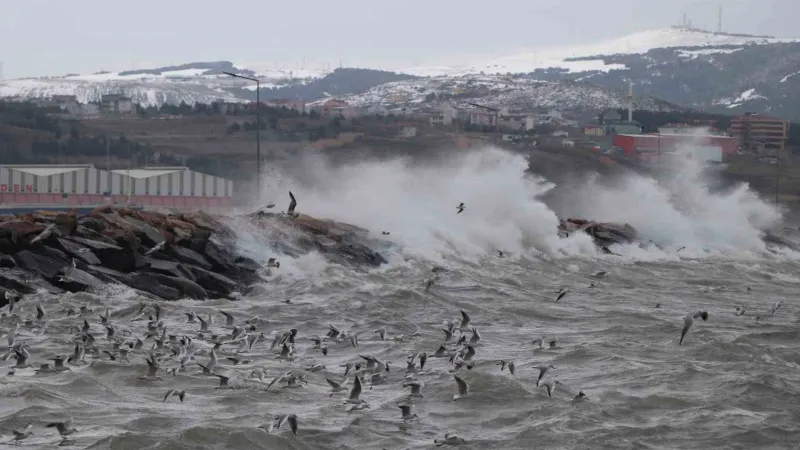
(7, 262)
(109, 275)
(95, 244)
(67, 223)
(202, 220)
(79, 252)
(7, 247)
(46, 266)
(122, 260)
(169, 268)
(187, 288)
(25, 282)
(189, 256)
(149, 283)
(220, 258)
(197, 245)
(124, 238)
(54, 253)
(79, 281)
(213, 282)
(148, 235)
(92, 223)
(247, 264)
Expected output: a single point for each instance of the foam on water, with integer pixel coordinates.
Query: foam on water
(505, 210)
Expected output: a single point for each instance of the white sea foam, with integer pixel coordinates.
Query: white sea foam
(505, 210)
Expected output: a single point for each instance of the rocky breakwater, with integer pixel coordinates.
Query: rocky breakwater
(603, 233)
(163, 256)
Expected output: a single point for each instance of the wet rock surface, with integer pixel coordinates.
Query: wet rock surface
(169, 257)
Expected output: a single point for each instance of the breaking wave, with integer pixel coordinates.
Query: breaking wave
(505, 208)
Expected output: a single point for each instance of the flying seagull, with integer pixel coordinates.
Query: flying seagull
(460, 208)
(561, 293)
(688, 320)
(292, 205)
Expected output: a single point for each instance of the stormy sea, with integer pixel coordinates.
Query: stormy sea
(733, 383)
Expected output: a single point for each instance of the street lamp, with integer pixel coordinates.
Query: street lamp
(258, 128)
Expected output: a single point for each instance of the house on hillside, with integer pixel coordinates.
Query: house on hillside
(594, 130)
(377, 110)
(407, 131)
(516, 121)
(443, 116)
(116, 104)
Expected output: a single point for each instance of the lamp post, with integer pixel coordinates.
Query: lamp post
(258, 128)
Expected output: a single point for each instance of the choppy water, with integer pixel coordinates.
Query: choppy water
(732, 384)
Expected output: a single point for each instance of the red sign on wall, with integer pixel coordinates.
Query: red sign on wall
(15, 188)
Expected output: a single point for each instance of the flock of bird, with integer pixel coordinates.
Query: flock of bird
(231, 353)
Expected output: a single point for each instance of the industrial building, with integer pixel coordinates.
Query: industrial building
(757, 131)
(661, 147)
(81, 185)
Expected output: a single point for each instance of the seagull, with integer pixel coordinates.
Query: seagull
(355, 392)
(465, 321)
(46, 233)
(581, 397)
(152, 368)
(63, 428)
(23, 433)
(336, 387)
(463, 388)
(503, 363)
(291, 418)
(688, 320)
(358, 407)
(191, 317)
(181, 394)
(11, 295)
(406, 412)
(551, 386)
(229, 319)
(599, 274)
(292, 206)
(272, 263)
(777, 305)
(416, 388)
(156, 248)
(542, 371)
(740, 310)
(450, 439)
(561, 293)
(224, 381)
(460, 208)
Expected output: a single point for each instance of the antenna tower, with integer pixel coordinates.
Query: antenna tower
(719, 20)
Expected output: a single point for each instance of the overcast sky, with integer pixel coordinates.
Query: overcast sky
(54, 37)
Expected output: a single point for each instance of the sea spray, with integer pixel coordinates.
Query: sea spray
(417, 203)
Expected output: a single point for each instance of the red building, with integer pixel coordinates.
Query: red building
(664, 146)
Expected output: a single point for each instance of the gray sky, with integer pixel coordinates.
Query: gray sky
(54, 37)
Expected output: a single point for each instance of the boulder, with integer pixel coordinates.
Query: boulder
(169, 268)
(187, 288)
(78, 251)
(46, 266)
(603, 233)
(7, 247)
(19, 231)
(220, 258)
(214, 282)
(124, 238)
(190, 256)
(202, 220)
(25, 283)
(94, 223)
(109, 275)
(95, 245)
(79, 281)
(148, 282)
(148, 235)
(7, 262)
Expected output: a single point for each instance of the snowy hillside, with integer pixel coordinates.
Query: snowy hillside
(500, 91)
(190, 83)
(640, 42)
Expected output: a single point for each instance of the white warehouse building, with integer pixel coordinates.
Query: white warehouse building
(85, 185)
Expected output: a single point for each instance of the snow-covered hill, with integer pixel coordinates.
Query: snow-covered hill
(190, 83)
(640, 42)
(560, 77)
(500, 91)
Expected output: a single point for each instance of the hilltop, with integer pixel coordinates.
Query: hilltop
(672, 68)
